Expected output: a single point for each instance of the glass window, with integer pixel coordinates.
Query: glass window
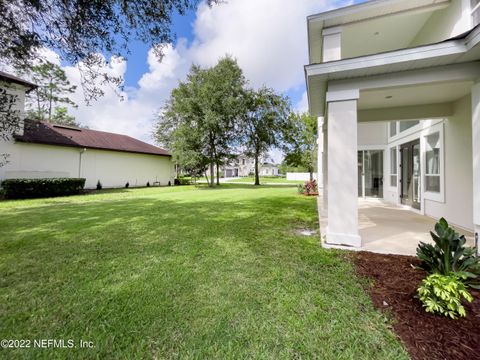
(432, 163)
(393, 128)
(404, 125)
(393, 167)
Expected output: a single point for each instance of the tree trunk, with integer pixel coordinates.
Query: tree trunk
(311, 174)
(206, 177)
(212, 173)
(218, 174)
(257, 178)
(50, 104)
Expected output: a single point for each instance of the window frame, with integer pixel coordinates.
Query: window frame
(391, 150)
(431, 195)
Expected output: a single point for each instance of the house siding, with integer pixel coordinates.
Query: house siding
(112, 168)
(458, 205)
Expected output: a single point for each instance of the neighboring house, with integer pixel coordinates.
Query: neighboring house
(243, 166)
(43, 150)
(396, 87)
(268, 168)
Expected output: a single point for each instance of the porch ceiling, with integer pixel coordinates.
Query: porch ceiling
(413, 95)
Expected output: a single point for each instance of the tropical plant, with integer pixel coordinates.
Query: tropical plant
(442, 294)
(449, 254)
(308, 188)
(311, 187)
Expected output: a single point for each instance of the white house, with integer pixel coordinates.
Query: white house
(43, 150)
(243, 166)
(396, 87)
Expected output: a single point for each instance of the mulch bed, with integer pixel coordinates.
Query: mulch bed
(426, 336)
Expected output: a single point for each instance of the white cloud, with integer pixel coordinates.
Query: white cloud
(267, 37)
(302, 105)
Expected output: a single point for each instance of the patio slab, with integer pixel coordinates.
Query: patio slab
(391, 229)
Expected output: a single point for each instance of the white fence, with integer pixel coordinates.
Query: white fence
(300, 176)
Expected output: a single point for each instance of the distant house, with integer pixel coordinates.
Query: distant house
(243, 166)
(44, 150)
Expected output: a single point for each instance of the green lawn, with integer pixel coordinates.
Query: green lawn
(182, 272)
(266, 180)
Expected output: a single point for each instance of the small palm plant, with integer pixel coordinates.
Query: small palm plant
(449, 255)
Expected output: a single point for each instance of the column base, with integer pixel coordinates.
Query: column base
(343, 239)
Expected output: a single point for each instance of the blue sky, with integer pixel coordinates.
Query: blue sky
(267, 37)
(182, 27)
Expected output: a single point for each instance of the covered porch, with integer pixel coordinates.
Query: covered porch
(441, 151)
(391, 229)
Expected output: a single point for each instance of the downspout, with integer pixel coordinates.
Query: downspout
(80, 162)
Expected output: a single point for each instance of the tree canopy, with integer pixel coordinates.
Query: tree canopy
(52, 92)
(198, 122)
(83, 30)
(301, 142)
(265, 118)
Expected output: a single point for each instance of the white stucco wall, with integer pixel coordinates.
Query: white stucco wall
(446, 23)
(372, 133)
(300, 176)
(458, 205)
(112, 168)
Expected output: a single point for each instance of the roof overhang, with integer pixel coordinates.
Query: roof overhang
(354, 14)
(16, 80)
(461, 50)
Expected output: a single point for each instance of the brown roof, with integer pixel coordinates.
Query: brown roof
(14, 79)
(45, 133)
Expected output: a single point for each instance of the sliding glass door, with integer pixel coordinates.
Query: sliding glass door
(370, 173)
(410, 174)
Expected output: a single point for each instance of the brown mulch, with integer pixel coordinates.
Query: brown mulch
(425, 336)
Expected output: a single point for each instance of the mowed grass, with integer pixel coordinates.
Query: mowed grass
(182, 272)
(266, 180)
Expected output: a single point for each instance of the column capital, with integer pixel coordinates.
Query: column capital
(332, 30)
(343, 95)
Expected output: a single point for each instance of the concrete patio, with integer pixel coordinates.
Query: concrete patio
(390, 229)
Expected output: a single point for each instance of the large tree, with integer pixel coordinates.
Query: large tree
(266, 114)
(198, 121)
(300, 145)
(52, 92)
(80, 30)
(10, 116)
(61, 117)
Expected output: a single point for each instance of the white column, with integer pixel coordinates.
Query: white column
(342, 171)
(332, 44)
(324, 210)
(320, 152)
(476, 157)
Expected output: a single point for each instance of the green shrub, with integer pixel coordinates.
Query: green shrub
(186, 180)
(442, 294)
(301, 188)
(35, 188)
(449, 254)
(308, 188)
(99, 185)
